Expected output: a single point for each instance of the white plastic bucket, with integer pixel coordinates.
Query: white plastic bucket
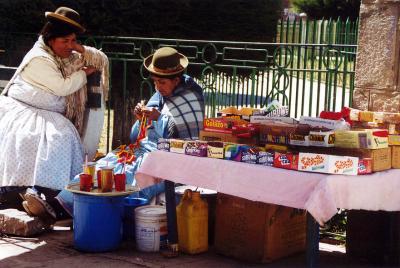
(151, 228)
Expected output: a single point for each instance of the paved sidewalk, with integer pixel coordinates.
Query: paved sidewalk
(55, 249)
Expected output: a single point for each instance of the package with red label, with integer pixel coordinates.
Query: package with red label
(287, 160)
(364, 166)
(221, 124)
(246, 130)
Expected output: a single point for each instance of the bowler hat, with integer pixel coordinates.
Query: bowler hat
(166, 61)
(66, 15)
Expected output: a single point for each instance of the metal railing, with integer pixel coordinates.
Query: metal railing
(307, 77)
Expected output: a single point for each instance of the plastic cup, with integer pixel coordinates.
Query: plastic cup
(120, 181)
(99, 178)
(107, 180)
(90, 168)
(85, 182)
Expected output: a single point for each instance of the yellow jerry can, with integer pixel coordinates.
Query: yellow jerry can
(192, 220)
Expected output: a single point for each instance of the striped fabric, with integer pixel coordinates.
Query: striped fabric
(185, 109)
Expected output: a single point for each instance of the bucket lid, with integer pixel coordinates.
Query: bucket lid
(181, 189)
(151, 211)
(135, 201)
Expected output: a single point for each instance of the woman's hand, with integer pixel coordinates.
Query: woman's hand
(151, 114)
(78, 47)
(138, 111)
(88, 70)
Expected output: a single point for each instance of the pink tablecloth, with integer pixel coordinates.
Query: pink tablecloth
(319, 194)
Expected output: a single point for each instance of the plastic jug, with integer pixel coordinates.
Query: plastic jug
(192, 219)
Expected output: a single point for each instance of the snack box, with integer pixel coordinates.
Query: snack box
(364, 166)
(163, 144)
(278, 132)
(234, 151)
(177, 146)
(215, 149)
(394, 139)
(374, 159)
(287, 160)
(221, 124)
(225, 137)
(265, 158)
(298, 139)
(321, 138)
(313, 162)
(262, 119)
(364, 138)
(251, 155)
(324, 123)
(196, 148)
(347, 165)
(332, 164)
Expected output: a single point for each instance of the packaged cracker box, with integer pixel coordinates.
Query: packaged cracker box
(343, 165)
(313, 162)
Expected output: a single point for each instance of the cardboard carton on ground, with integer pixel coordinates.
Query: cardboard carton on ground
(257, 232)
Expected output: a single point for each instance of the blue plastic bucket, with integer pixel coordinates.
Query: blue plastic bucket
(130, 203)
(97, 222)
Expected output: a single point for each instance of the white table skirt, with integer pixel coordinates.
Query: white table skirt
(320, 194)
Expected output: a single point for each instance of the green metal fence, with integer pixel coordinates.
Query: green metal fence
(308, 77)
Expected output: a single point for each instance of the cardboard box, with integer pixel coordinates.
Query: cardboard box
(257, 232)
(395, 156)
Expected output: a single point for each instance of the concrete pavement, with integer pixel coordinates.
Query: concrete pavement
(55, 249)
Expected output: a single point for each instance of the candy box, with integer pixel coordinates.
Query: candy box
(287, 160)
(251, 154)
(196, 148)
(265, 158)
(215, 149)
(234, 151)
(163, 144)
(321, 138)
(177, 146)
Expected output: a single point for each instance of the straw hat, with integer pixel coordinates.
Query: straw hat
(166, 61)
(66, 15)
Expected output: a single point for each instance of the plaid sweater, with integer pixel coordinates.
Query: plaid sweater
(185, 109)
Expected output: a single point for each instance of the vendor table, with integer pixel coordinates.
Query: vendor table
(320, 194)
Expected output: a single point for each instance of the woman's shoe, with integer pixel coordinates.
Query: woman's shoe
(37, 207)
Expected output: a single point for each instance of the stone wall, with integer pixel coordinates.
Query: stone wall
(377, 80)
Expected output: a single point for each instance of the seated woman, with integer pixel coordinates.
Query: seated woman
(42, 113)
(176, 110)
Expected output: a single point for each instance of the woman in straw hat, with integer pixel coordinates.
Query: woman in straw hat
(42, 112)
